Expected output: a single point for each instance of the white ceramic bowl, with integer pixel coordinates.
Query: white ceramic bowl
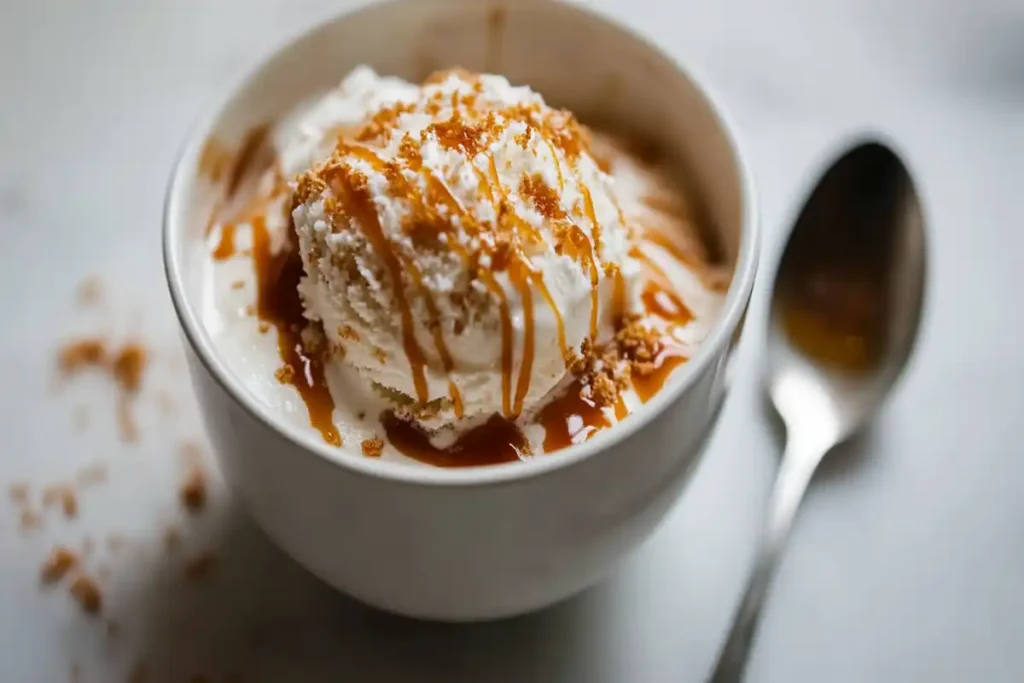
(494, 541)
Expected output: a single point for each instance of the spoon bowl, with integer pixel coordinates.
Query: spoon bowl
(848, 294)
(845, 309)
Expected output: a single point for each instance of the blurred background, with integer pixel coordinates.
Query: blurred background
(907, 563)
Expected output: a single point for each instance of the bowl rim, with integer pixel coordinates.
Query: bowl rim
(736, 302)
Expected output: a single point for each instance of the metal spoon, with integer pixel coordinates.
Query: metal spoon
(845, 308)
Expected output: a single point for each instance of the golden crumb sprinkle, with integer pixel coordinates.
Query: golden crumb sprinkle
(263, 327)
(69, 503)
(455, 133)
(410, 151)
(346, 332)
(63, 495)
(87, 593)
(81, 354)
(372, 448)
(285, 374)
(382, 123)
(604, 390)
(598, 368)
(638, 344)
(58, 563)
(128, 366)
(545, 199)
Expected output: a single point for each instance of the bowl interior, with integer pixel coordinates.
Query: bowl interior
(576, 59)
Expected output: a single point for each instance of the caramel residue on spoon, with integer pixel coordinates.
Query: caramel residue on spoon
(835, 319)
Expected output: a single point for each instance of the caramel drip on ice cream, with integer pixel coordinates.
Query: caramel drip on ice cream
(618, 296)
(350, 187)
(647, 385)
(660, 300)
(520, 277)
(571, 419)
(595, 251)
(278, 303)
(413, 194)
(225, 248)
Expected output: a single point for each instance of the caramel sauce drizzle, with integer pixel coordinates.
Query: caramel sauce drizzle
(520, 277)
(595, 252)
(571, 419)
(225, 248)
(685, 256)
(438, 334)
(667, 360)
(538, 281)
(677, 251)
(492, 443)
(661, 301)
(278, 303)
(621, 409)
(499, 292)
(358, 203)
(618, 296)
(558, 164)
(416, 197)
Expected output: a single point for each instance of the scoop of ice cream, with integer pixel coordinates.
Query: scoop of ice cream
(460, 244)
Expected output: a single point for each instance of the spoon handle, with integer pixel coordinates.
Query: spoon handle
(798, 464)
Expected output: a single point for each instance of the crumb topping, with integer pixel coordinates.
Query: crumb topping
(87, 593)
(372, 448)
(128, 367)
(60, 561)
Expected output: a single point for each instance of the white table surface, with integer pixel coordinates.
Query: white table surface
(907, 563)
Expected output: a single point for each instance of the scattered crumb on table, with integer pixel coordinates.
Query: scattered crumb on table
(58, 563)
(87, 593)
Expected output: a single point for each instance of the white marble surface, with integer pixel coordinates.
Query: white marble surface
(908, 560)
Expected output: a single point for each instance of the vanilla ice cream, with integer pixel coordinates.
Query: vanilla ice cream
(460, 245)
